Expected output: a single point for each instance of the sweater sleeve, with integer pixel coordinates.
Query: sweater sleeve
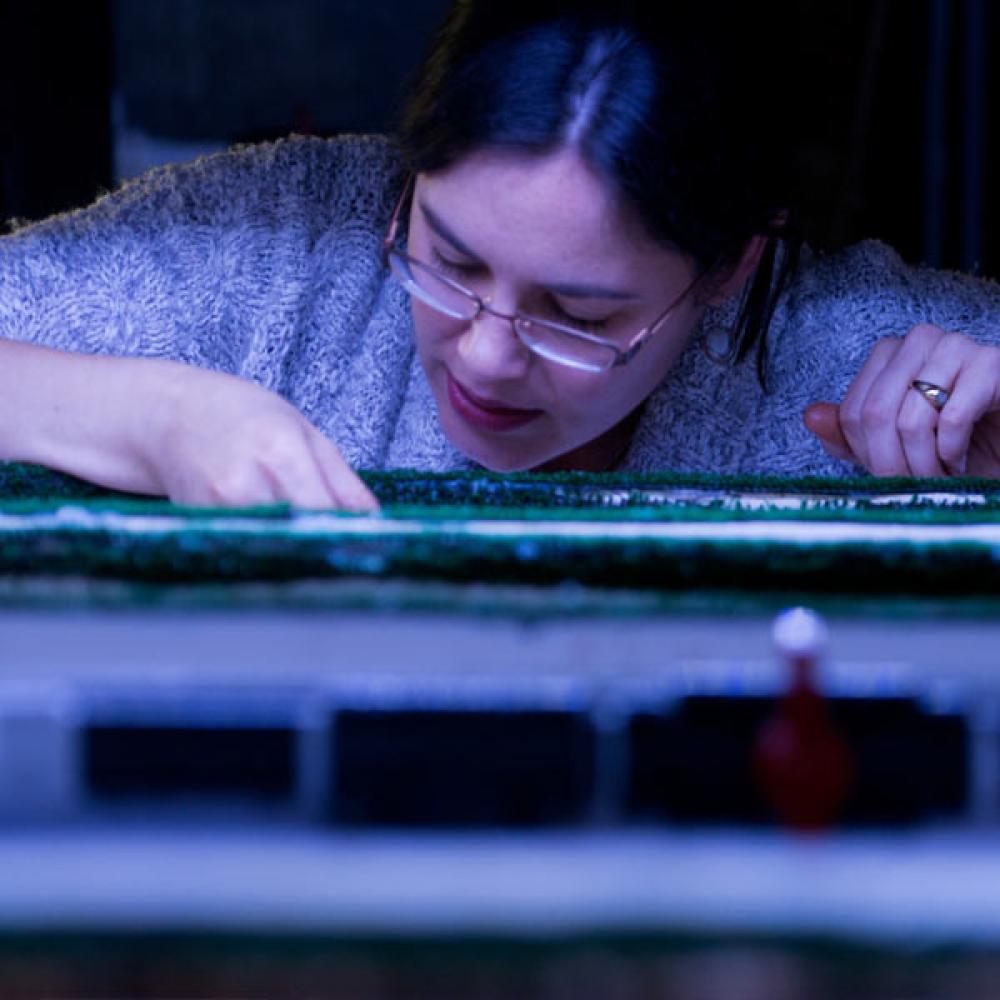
(841, 306)
(709, 417)
(846, 302)
(207, 262)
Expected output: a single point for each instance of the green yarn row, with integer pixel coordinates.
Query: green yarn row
(605, 496)
(208, 550)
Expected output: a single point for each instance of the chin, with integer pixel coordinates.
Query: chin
(498, 459)
(500, 465)
(502, 456)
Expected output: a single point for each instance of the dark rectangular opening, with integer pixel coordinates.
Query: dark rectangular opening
(695, 763)
(130, 760)
(453, 767)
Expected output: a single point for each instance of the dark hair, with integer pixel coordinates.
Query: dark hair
(678, 103)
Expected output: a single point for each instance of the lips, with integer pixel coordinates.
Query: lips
(486, 414)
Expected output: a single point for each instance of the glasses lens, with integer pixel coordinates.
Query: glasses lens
(431, 288)
(564, 346)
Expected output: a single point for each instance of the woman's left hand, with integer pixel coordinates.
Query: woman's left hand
(890, 428)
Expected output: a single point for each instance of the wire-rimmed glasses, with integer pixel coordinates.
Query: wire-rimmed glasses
(556, 342)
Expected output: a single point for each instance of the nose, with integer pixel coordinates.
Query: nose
(490, 347)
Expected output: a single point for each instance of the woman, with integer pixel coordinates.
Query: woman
(583, 227)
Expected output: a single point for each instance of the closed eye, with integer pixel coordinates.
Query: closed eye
(455, 268)
(466, 271)
(578, 322)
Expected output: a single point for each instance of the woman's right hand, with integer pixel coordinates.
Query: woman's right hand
(217, 440)
(146, 425)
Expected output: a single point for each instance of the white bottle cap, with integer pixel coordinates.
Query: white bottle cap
(799, 632)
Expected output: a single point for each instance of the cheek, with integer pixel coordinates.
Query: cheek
(430, 327)
(586, 403)
(661, 355)
(593, 405)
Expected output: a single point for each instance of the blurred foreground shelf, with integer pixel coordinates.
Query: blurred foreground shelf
(526, 708)
(927, 889)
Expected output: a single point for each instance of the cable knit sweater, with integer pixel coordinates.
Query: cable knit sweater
(266, 262)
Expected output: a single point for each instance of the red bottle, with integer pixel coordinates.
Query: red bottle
(802, 763)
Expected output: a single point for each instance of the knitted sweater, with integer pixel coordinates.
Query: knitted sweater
(265, 262)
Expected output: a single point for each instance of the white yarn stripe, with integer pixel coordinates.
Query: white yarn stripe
(331, 526)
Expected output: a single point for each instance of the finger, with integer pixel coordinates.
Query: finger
(917, 425)
(343, 482)
(235, 486)
(278, 450)
(919, 419)
(851, 413)
(299, 481)
(823, 419)
(881, 409)
(975, 392)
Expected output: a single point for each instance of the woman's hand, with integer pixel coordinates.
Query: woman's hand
(890, 428)
(146, 425)
(213, 439)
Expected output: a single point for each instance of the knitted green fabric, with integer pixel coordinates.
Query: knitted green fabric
(660, 533)
(625, 494)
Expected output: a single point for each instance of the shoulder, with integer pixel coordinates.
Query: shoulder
(870, 290)
(299, 178)
(293, 160)
(840, 304)
(350, 172)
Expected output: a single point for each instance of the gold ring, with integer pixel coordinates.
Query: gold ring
(936, 395)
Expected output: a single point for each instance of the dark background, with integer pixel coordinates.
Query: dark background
(895, 99)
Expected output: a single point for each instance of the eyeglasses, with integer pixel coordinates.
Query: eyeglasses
(556, 342)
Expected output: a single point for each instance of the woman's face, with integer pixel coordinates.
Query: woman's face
(545, 237)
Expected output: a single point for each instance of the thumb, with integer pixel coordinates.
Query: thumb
(823, 419)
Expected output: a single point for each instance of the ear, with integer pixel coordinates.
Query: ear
(732, 281)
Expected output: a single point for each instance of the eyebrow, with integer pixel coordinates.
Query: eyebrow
(435, 222)
(569, 291)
